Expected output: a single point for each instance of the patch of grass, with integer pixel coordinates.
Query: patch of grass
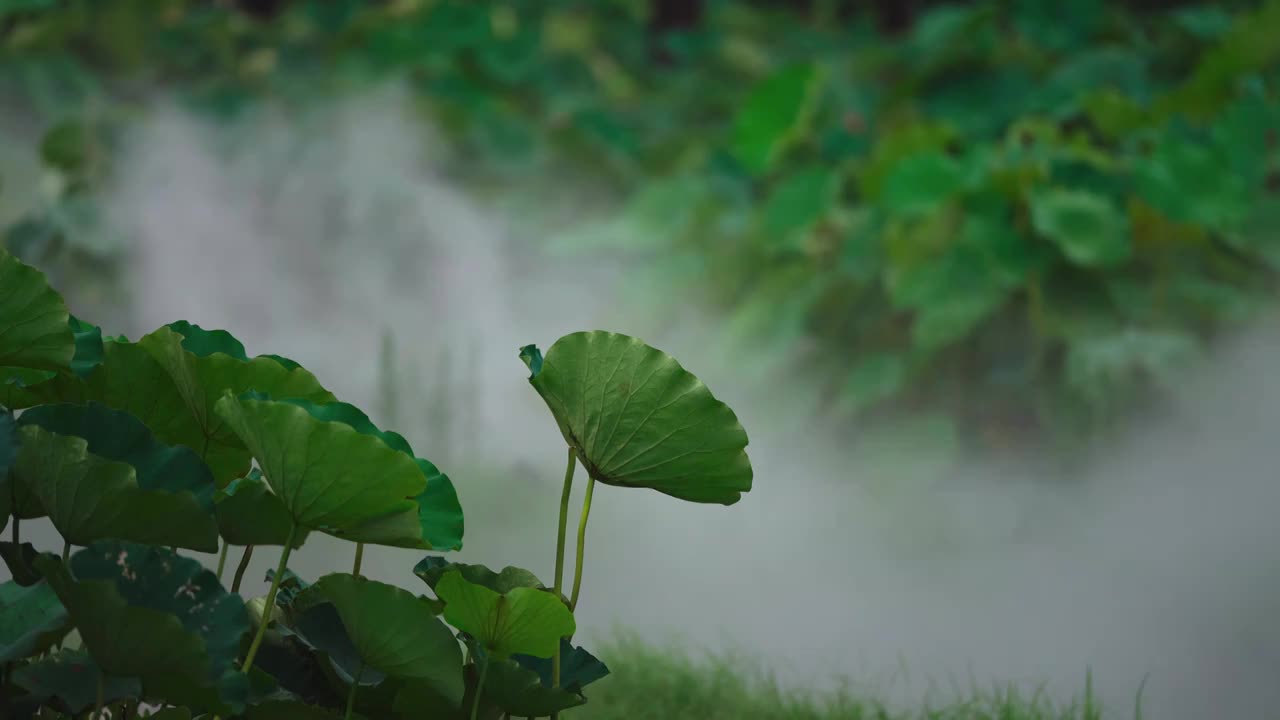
(668, 683)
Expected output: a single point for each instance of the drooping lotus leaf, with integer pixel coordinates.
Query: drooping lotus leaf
(394, 631)
(329, 476)
(250, 514)
(438, 515)
(578, 668)
(34, 333)
(90, 498)
(20, 559)
(72, 677)
(117, 435)
(636, 418)
(518, 691)
(200, 366)
(433, 567)
(150, 613)
(31, 620)
(524, 620)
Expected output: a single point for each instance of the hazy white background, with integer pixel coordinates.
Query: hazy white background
(308, 235)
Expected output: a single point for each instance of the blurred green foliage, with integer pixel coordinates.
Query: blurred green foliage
(1020, 217)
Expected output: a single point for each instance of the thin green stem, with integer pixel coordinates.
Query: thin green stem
(222, 558)
(16, 522)
(66, 550)
(351, 694)
(355, 568)
(244, 565)
(582, 541)
(102, 683)
(560, 533)
(484, 671)
(271, 599)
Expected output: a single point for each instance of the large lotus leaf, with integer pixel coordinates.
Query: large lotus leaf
(201, 379)
(89, 498)
(636, 418)
(250, 514)
(1087, 228)
(117, 435)
(433, 567)
(394, 631)
(524, 620)
(34, 332)
(150, 613)
(320, 627)
(31, 620)
(330, 476)
(71, 677)
(435, 524)
(578, 668)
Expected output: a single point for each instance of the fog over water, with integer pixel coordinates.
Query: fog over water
(308, 236)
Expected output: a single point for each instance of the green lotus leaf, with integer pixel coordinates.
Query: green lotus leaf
(20, 559)
(8, 446)
(433, 567)
(524, 620)
(150, 613)
(416, 698)
(1087, 228)
(320, 627)
(31, 620)
(294, 710)
(394, 631)
(250, 514)
(518, 691)
(329, 476)
(636, 418)
(72, 677)
(578, 668)
(34, 330)
(89, 498)
(89, 347)
(117, 435)
(201, 379)
(775, 115)
(435, 524)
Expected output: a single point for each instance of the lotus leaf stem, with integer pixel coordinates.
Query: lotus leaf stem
(560, 533)
(270, 604)
(240, 569)
(222, 559)
(355, 568)
(66, 550)
(351, 694)
(484, 671)
(582, 541)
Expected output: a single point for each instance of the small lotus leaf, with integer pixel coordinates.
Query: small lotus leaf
(90, 498)
(150, 613)
(394, 631)
(433, 567)
(775, 115)
(34, 332)
(250, 514)
(20, 559)
(72, 677)
(518, 691)
(1088, 228)
(31, 620)
(329, 476)
(636, 418)
(201, 379)
(578, 668)
(524, 620)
